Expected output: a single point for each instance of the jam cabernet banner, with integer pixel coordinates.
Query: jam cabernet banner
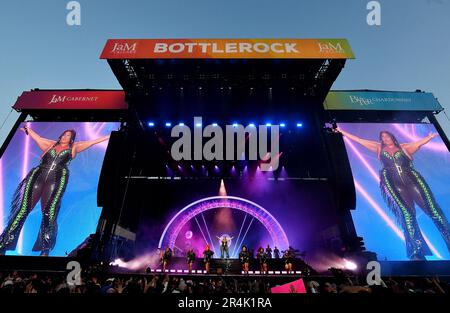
(71, 100)
(227, 49)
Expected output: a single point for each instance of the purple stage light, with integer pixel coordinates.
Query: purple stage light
(1, 196)
(189, 212)
(188, 235)
(411, 135)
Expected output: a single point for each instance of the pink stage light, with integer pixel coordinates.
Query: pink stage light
(188, 235)
(222, 189)
(93, 132)
(413, 137)
(349, 265)
(24, 174)
(1, 196)
(362, 159)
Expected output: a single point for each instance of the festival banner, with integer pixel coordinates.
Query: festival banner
(381, 100)
(227, 49)
(71, 100)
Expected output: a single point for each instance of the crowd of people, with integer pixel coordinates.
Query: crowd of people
(17, 282)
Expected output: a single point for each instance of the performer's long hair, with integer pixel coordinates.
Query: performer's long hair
(73, 135)
(394, 140)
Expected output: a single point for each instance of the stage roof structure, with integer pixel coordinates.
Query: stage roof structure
(306, 67)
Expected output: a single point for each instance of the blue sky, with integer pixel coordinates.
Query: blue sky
(410, 50)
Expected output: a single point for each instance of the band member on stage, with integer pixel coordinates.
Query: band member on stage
(207, 256)
(45, 182)
(262, 258)
(244, 257)
(165, 258)
(276, 253)
(288, 259)
(190, 258)
(224, 246)
(402, 186)
(269, 252)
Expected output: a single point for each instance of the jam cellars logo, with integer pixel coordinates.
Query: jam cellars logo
(329, 47)
(61, 99)
(124, 48)
(361, 101)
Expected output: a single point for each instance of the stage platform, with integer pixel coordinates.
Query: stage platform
(234, 267)
(219, 267)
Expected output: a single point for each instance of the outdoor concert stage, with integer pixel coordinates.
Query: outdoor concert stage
(132, 193)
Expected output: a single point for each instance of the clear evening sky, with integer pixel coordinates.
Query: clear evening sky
(409, 51)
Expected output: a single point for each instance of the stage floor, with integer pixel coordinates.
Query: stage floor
(60, 264)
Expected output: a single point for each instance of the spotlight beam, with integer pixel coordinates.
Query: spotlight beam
(1, 196)
(243, 237)
(201, 230)
(209, 234)
(239, 236)
(24, 174)
(412, 135)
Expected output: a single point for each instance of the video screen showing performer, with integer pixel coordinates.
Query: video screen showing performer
(402, 179)
(54, 166)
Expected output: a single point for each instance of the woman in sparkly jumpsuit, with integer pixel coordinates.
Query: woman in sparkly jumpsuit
(46, 182)
(402, 187)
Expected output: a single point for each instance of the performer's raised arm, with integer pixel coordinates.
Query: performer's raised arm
(412, 147)
(43, 143)
(368, 144)
(80, 146)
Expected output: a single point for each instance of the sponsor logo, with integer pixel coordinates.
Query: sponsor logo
(329, 47)
(124, 48)
(360, 100)
(62, 99)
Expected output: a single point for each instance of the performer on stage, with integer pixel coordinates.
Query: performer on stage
(269, 252)
(224, 246)
(207, 256)
(276, 253)
(402, 187)
(244, 257)
(165, 258)
(288, 257)
(190, 258)
(262, 258)
(45, 182)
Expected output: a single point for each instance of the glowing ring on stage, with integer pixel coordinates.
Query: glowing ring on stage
(180, 219)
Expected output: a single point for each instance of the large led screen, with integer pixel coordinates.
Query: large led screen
(402, 179)
(48, 186)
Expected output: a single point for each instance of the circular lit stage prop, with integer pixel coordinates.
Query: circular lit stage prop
(174, 227)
